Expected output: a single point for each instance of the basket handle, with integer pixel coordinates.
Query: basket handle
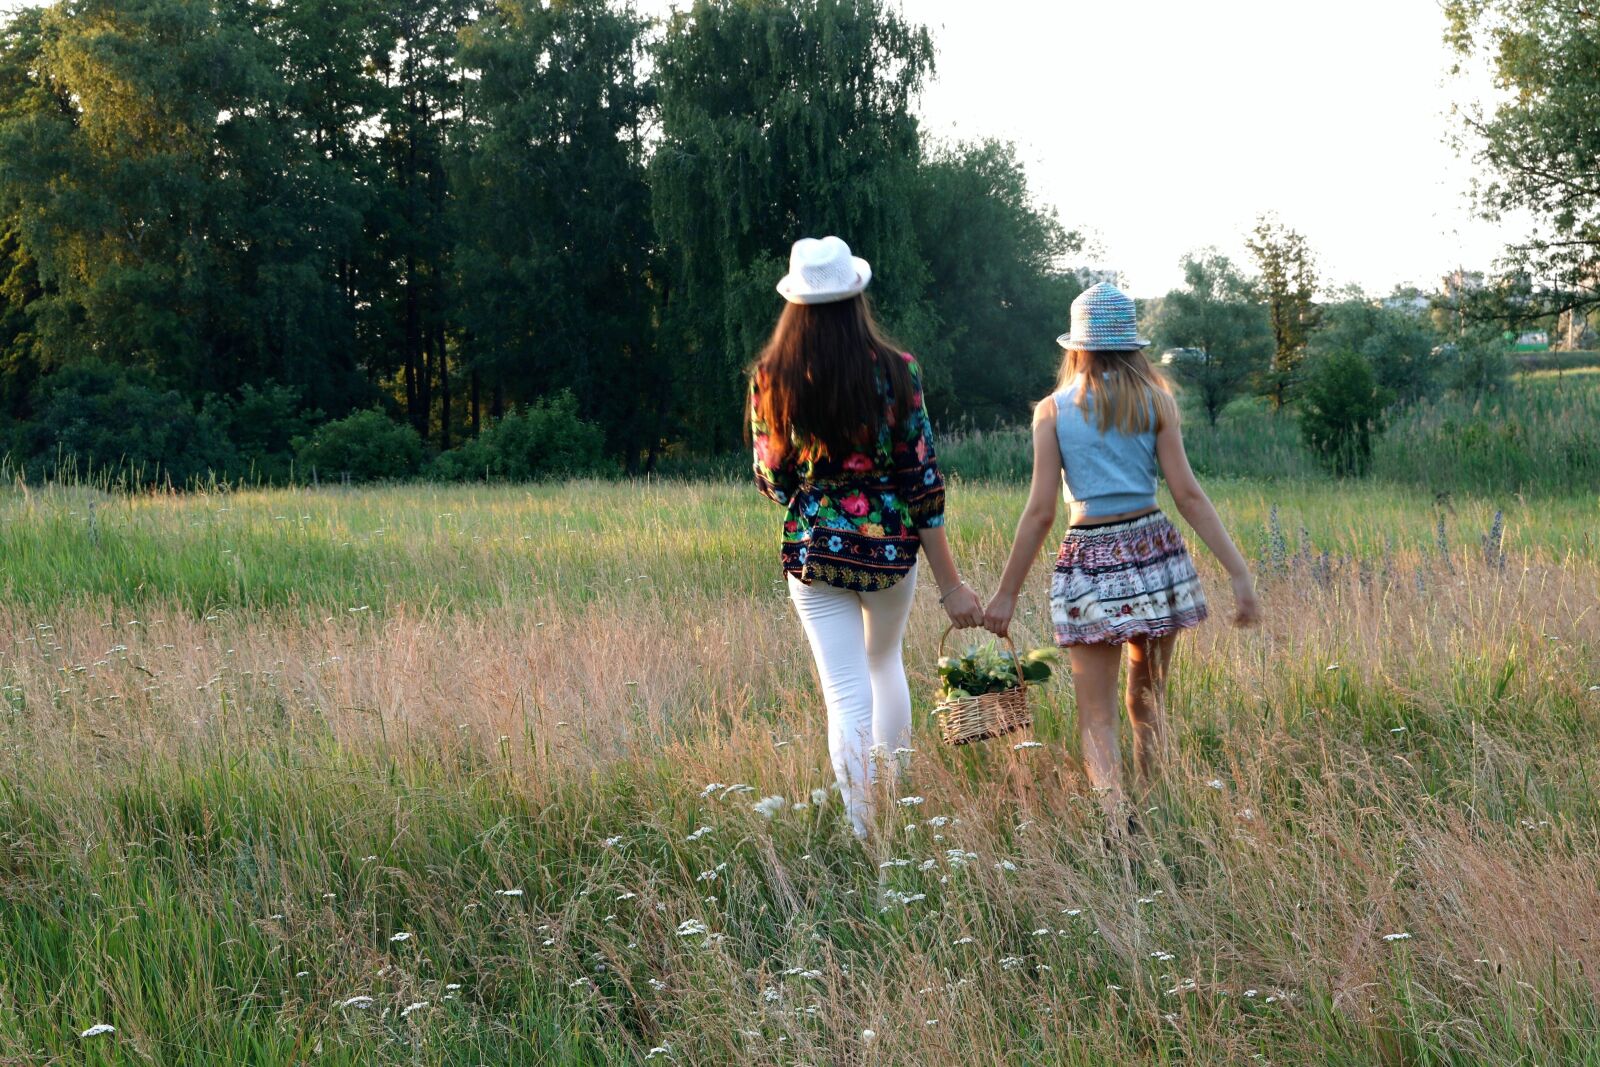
(1016, 660)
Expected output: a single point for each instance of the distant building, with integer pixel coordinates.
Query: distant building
(1182, 355)
(1532, 341)
(1459, 283)
(1415, 303)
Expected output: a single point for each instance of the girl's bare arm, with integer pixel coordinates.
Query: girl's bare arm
(1198, 511)
(1038, 516)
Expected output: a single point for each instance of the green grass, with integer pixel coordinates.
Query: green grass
(1540, 438)
(246, 739)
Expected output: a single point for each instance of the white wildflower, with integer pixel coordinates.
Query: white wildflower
(508, 892)
(1251, 993)
(415, 1006)
(769, 806)
(691, 928)
(1162, 956)
(909, 802)
(97, 1029)
(819, 797)
(356, 1002)
(1022, 745)
(962, 941)
(453, 986)
(939, 820)
(1010, 963)
(612, 842)
(711, 787)
(657, 984)
(1042, 932)
(626, 896)
(659, 1050)
(1397, 937)
(868, 1036)
(1215, 783)
(1005, 865)
(771, 995)
(698, 834)
(401, 936)
(1072, 911)
(302, 974)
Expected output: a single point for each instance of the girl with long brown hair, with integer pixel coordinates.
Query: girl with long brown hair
(1123, 576)
(843, 442)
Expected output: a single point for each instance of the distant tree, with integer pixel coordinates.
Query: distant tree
(1224, 330)
(780, 119)
(552, 216)
(1539, 141)
(996, 286)
(174, 217)
(1399, 345)
(1341, 411)
(1287, 286)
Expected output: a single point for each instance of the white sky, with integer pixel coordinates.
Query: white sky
(1163, 126)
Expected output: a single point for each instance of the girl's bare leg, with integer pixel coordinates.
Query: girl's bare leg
(1094, 681)
(1148, 661)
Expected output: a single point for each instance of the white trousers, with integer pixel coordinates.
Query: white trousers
(856, 639)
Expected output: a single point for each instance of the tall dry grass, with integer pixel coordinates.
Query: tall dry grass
(218, 813)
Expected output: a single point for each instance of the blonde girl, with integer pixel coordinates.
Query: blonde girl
(1123, 577)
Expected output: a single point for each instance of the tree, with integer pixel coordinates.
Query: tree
(1341, 410)
(1539, 141)
(779, 119)
(995, 282)
(177, 220)
(1225, 333)
(1399, 346)
(1288, 287)
(553, 214)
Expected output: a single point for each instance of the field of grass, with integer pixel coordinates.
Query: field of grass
(467, 776)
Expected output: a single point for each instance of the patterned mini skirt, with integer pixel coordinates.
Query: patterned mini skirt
(1119, 580)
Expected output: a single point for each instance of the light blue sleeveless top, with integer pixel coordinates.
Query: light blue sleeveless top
(1107, 473)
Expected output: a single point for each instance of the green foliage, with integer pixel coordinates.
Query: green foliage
(1398, 345)
(988, 668)
(110, 423)
(367, 446)
(1224, 329)
(1287, 286)
(262, 425)
(1477, 369)
(546, 440)
(994, 285)
(779, 119)
(554, 212)
(1538, 139)
(1341, 409)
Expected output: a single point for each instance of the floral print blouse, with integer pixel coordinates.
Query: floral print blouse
(853, 519)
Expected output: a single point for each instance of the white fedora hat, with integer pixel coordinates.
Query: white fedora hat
(821, 272)
(1103, 320)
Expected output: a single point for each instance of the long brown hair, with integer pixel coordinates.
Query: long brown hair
(817, 379)
(1127, 391)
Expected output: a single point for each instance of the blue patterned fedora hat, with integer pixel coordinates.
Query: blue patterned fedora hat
(1103, 320)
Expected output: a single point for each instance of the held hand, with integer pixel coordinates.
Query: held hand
(963, 607)
(997, 616)
(1246, 606)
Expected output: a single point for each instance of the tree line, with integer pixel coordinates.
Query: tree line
(522, 233)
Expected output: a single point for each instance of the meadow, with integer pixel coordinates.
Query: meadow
(536, 775)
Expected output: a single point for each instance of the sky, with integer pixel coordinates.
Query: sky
(1160, 127)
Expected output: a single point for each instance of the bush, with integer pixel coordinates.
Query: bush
(547, 440)
(263, 425)
(1477, 370)
(1341, 410)
(368, 446)
(118, 425)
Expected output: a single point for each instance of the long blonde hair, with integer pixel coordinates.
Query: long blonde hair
(1126, 389)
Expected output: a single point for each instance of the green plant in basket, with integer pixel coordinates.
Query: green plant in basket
(988, 668)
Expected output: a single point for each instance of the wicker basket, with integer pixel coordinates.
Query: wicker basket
(986, 715)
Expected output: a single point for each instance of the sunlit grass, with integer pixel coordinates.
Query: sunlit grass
(250, 739)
